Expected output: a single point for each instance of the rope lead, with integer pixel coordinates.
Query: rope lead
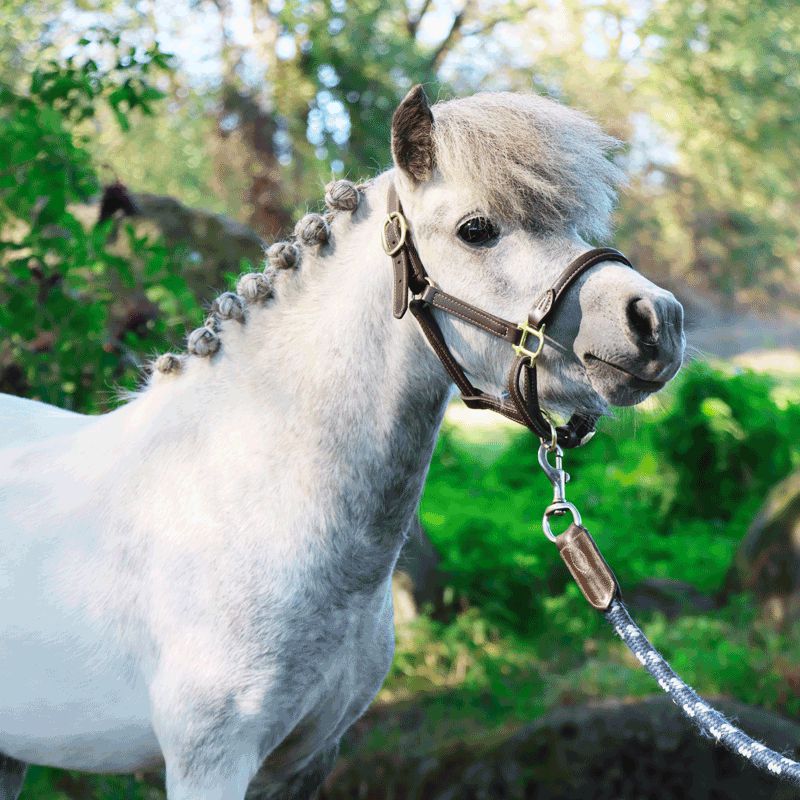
(706, 719)
(600, 588)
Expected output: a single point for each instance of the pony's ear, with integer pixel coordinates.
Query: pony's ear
(412, 135)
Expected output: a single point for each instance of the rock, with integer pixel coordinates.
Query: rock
(609, 751)
(216, 243)
(767, 562)
(669, 597)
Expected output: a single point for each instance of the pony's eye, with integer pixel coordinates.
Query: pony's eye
(477, 230)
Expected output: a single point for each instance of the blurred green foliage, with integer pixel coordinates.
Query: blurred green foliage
(471, 676)
(77, 316)
(722, 87)
(291, 92)
(732, 438)
(346, 98)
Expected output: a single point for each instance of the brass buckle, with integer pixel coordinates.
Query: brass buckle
(394, 216)
(520, 348)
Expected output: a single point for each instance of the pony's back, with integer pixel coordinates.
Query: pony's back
(24, 420)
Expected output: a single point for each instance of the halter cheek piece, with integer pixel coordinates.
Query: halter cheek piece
(526, 339)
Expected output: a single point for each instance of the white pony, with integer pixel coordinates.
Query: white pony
(201, 578)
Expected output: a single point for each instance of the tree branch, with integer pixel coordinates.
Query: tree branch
(451, 38)
(413, 22)
(491, 24)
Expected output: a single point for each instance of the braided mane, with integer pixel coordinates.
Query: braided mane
(255, 288)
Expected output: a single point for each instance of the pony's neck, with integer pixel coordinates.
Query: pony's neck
(322, 392)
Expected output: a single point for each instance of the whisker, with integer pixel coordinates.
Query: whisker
(694, 353)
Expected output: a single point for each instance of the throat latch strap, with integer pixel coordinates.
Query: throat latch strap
(413, 288)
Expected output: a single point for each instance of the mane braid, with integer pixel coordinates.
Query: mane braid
(257, 288)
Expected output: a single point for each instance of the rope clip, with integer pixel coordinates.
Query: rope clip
(558, 477)
(555, 474)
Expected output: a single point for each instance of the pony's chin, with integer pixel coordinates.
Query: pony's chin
(617, 386)
(575, 397)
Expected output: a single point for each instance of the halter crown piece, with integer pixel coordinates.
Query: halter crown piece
(414, 290)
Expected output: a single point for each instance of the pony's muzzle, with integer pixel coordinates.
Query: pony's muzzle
(631, 340)
(655, 327)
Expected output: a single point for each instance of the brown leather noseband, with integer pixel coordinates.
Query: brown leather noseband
(527, 339)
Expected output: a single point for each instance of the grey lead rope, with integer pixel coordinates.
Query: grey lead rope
(600, 588)
(706, 719)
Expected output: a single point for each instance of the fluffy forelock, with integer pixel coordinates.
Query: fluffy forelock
(530, 159)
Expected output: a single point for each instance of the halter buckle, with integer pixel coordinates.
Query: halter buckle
(391, 218)
(529, 330)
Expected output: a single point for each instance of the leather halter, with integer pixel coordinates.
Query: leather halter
(526, 339)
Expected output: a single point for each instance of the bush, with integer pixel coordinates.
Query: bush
(729, 438)
(77, 320)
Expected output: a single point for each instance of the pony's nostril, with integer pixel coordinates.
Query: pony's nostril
(643, 320)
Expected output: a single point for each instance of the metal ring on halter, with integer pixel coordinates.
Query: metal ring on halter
(557, 509)
(553, 444)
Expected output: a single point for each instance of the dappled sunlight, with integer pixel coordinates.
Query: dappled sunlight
(783, 363)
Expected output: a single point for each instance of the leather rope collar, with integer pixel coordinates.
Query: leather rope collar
(414, 290)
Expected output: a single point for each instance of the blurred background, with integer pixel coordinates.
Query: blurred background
(148, 149)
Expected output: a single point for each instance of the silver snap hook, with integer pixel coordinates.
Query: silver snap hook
(555, 474)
